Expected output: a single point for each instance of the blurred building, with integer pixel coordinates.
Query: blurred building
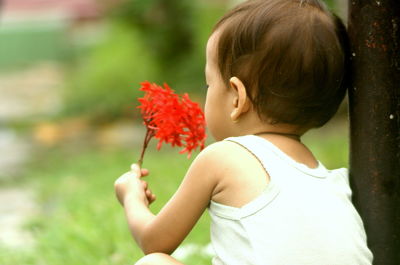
(49, 10)
(32, 30)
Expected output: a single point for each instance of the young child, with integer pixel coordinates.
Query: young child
(275, 69)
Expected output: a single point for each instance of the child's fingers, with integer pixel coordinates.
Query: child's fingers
(144, 184)
(145, 172)
(141, 172)
(147, 191)
(152, 198)
(136, 170)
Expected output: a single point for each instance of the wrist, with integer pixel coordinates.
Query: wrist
(131, 200)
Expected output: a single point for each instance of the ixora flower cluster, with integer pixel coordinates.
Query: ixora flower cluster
(171, 118)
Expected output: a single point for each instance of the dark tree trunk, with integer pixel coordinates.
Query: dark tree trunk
(374, 30)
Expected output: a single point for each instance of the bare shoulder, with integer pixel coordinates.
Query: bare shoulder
(237, 173)
(216, 159)
(222, 154)
(216, 148)
(207, 169)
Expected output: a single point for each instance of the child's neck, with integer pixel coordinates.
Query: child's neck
(294, 136)
(285, 136)
(255, 126)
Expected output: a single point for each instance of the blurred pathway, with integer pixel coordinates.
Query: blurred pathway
(26, 96)
(30, 94)
(16, 206)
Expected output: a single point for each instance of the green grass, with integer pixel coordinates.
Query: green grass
(82, 223)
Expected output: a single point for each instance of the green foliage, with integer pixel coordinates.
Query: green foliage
(105, 82)
(158, 41)
(330, 3)
(190, 74)
(166, 26)
(330, 143)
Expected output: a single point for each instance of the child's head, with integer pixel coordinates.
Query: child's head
(291, 55)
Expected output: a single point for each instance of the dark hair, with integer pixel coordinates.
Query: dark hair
(292, 56)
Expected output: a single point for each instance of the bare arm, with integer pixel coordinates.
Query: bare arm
(165, 231)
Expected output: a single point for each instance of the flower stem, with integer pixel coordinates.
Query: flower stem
(147, 138)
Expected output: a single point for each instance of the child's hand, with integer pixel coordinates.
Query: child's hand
(131, 186)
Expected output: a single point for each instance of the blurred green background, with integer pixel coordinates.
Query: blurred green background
(69, 78)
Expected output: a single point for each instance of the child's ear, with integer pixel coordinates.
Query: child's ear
(241, 102)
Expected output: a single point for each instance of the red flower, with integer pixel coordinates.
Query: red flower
(172, 119)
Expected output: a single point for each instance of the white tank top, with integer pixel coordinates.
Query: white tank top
(304, 217)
